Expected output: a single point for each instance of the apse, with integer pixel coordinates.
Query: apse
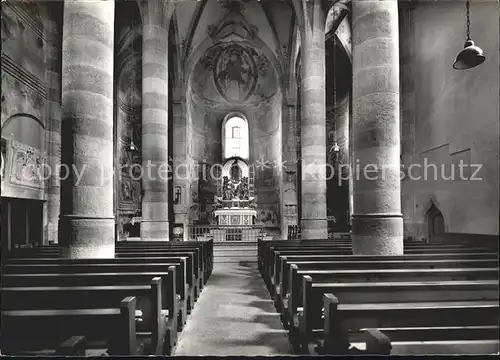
(238, 74)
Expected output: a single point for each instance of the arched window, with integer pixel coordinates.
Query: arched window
(235, 133)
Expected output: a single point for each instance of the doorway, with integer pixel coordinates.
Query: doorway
(435, 223)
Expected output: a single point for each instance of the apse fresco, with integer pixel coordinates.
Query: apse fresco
(234, 73)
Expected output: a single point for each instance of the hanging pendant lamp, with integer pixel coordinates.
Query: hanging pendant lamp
(472, 55)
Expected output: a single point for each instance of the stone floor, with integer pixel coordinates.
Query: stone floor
(234, 316)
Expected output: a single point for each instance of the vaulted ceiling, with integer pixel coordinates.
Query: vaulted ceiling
(272, 20)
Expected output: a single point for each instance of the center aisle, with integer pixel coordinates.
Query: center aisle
(234, 316)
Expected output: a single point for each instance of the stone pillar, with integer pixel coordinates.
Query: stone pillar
(53, 111)
(156, 17)
(377, 219)
(313, 120)
(86, 227)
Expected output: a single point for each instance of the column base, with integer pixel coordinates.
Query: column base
(86, 237)
(311, 229)
(87, 252)
(377, 235)
(154, 230)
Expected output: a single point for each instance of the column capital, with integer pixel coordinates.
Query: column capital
(157, 12)
(311, 18)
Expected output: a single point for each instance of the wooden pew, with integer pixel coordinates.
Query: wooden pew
(198, 277)
(263, 246)
(281, 269)
(448, 255)
(274, 265)
(111, 282)
(377, 272)
(311, 249)
(204, 262)
(385, 292)
(31, 332)
(89, 273)
(423, 328)
(192, 261)
(205, 246)
(158, 315)
(203, 251)
(363, 262)
(292, 292)
(184, 272)
(198, 265)
(266, 247)
(322, 260)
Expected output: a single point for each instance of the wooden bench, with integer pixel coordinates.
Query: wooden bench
(274, 251)
(154, 321)
(202, 255)
(192, 261)
(201, 270)
(184, 275)
(34, 332)
(375, 272)
(363, 262)
(267, 247)
(197, 266)
(310, 318)
(459, 265)
(102, 289)
(467, 327)
(273, 263)
(205, 246)
(322, 261)
(88, 273)
(264, 246)
(199, 259)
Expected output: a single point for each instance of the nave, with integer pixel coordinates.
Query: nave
(234, 316)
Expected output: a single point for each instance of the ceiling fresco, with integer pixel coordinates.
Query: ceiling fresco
(236, 73)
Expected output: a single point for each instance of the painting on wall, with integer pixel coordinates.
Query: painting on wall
(267, 216)
(27, 167)
(235, 73)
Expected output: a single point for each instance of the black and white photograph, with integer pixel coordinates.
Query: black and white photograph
(250, 178)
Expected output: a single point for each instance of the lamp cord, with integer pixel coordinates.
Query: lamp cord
(468, 19)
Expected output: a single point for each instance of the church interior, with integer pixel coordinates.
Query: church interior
(250, 177)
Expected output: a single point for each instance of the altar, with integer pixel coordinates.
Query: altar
(235, 216)
(235, 205)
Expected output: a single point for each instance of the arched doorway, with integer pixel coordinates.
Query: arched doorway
(435, 223)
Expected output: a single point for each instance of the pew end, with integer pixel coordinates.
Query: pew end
(127, 342)
(159, 328)
(336, 341)
(377, 343)
(74, 346)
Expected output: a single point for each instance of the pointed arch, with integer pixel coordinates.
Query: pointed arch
(435, 223)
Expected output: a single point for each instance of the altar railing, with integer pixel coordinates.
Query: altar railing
(219, 233)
